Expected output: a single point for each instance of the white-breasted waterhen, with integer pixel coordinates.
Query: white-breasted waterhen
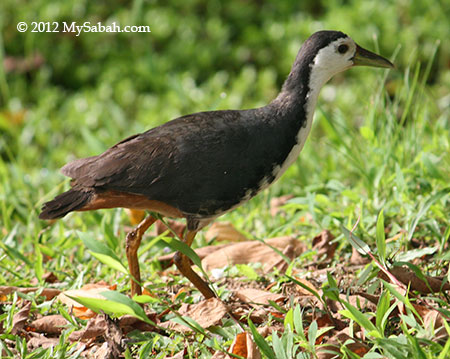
(203, 165)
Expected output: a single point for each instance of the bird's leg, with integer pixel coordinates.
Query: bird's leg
(133, 241)
(184, 266)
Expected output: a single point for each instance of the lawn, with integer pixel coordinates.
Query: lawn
(361, 268)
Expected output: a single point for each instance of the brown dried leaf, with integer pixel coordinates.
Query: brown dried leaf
(224, 231)
(206, 313)
(179, 355)
(251, 252)
(433, 319)
(331, 349)
(265, 331)
(48, 293)
(41, 341)
(370, 297)
(244, 346)
(279, 262)
(201, 252)
(302, 291)
(358, 301)
(20, 318)
(95, 327)
(91, 290)
(408, 277)
(50, 324)
(220, 355)
(323, 321)
(48, 277)
(258, 296)
(83, 313)
(99, 352)
(257, 314)
(324, 246)
(129, 323)
(357, 258)
(276, 204)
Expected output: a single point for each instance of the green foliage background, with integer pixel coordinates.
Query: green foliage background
(92, 90)
(200, 55)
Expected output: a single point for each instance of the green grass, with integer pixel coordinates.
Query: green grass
(380, 142)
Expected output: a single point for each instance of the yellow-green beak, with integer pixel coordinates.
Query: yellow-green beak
(365, 57)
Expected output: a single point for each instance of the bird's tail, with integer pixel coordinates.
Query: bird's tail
(72, 200)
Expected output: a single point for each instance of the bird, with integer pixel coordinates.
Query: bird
(203, 165)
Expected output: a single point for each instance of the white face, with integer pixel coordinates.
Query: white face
(335, 58)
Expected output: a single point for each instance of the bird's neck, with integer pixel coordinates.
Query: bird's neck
(294, 107)
(298, 96)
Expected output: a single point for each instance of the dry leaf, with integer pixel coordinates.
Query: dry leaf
(206, 313)
(323, 321)
(20, 318)
(95, 327)
(244, 346)
(258, 296)
(50, 324)
(41, 341)
(331, 349)
(433, 319)
(201, 252)
(302, 291)
(370, 297)
(251, 252)
(224, 231)
(358, 301)
(48, 277)
(179, 355)
(324, 246)
(48, 293)
(91, 290)
(101, 352)
(279, 262)
(219, 355)
(408, 277)
(265, 330)
(129, 323)
(357, 258)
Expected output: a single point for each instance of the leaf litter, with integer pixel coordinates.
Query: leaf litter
(262, 300)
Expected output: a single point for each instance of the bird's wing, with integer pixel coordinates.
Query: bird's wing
(132, 163)
(201, 163)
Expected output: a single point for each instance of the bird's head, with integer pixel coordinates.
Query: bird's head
(330, 52)
(323, 55)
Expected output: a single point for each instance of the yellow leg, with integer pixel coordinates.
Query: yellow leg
(184, 266)
(133, 242)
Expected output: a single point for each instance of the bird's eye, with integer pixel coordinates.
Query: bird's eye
(342, 49)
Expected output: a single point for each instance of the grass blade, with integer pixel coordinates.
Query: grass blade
(260, 341)
(381, 238)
